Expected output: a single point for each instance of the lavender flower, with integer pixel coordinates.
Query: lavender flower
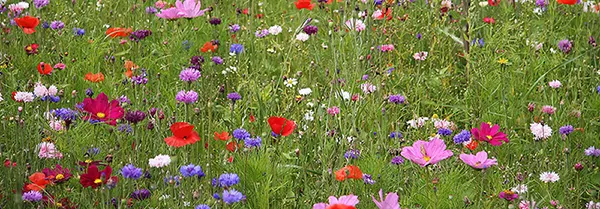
(241, 134)
(151, 10)
(217, 60)
(228, 179)
(397, 160)
(565, 46)
(40, 3)
(187, 97)
(592, 151)
(352, 154)
(397, 99)
(566, 130)
(253, 142)
(261, 33)
(57, 25)
(368, 179)
(189, 75)
(202, 206)
(191, 170)
(131, 172)
(141, 194)
(32, 196)
(234, 28)
(232, 196)
(462, 137)
(138, 35)
(234, 96)
(236, 48)
(139, 80)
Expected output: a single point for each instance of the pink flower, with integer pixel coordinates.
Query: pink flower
(478, 161)
(346, 202)
(426, 153)
(492, 135)
(187, 9)
(333, 111)
(420, 56)
(548, 109)
(60, 66)
(390, 202)
(100, 109)
(386, 47)
(160, 4)
(48, 150)
(508, 195)
(555, 84)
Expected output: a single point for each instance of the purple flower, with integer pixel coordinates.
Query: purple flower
(202, 206)
(368, 179)
(189, 75)
(32, 196)
(78, 31)
(139, 80)
(444, 132)
(310, 29)
(462, 137)
(236, 48)
(214, 21)
(187, 97)
(234, 28)
(592, 151)
(397, 160)
(419, 36)
(232, 196)
(135, 116)
(253, 142)
(592, 41)
(57, 25)
(139, 35)
(228, 179)
(141, 194)
(353, 154)
(541, 3)
(191, 170)
(151, 10)
(565, 46)
(566, 130)
(241, 134)
(234, 96)
(131, 172)
(396, 135)
(261, 33)
(397, 99)
(40, 3)
(217, 60)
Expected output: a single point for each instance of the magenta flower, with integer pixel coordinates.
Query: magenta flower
(348, 201)
(100, 109)
(508, 195)
(478, 161)
(187, 9)
(390, 202)
(426, 153)
(492, 135)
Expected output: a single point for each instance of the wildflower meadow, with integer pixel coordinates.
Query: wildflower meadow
(322, 104)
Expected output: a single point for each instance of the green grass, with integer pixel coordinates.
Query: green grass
(292, 172)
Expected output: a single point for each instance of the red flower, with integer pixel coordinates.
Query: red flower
(9, 164)
(118, 32)
(348, 172)
(252, 118)
(94, 178)
(38, 181)
(44, 68)
(304, 4)
(183, 134)
(281, 126)
(31, 49)
(209, 47)
(472, 145)
(493, 2)
(94, 77)
(232, 146)
(27, 23)
(223, 136)
(567, 2)
(489, 20)
(100, 109)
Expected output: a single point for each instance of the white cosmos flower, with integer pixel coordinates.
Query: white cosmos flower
(305, 91)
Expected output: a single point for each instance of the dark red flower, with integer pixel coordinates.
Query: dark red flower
(183, 134)
(94, 178)
(281, 126)
(31, 49)
(100, 109)
(493, 2)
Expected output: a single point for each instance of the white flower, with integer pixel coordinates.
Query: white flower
(520, 189)
(24, 96)
(538, 11)
(302, 37)
(159, 161)
(40, 91)
(540, 131)
(555, 84)
(1, 99)
(553, 50)
(305, 91)
(439, 124)
(362, 14)
(420, 56)
(52, 90)
(356, 24)
(310, 104)
(368, 88)
(290, 82)
(18, 6)
(308, 116)
(549, 177)
(483, 3)
(274, 30)
(417, 123)
(345, 95)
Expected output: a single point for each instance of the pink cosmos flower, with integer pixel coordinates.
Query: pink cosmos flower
(345, 202)
(390, 202)
(100, 109)
(492, 135)
(479, 160)
(187, 9)
(426, 153)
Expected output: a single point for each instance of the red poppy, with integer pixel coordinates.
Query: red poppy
(304, 4)
(489, 20)
(348, 172)
(94, 77)
(281, 126)
(472, 145)
(493, 2)
(183, 134)
(252, 118)
(44, 68)
(27, 23)
(209, 47)
(223, 136)
(118, 32)
(232, 146)
(38, 181)
(567, 2)
(94, 178)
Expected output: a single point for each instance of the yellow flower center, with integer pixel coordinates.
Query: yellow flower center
(88, 161)
(97, 181)
(477, 163)
(489, 123)
(489, 137)
(100, 115)
(29, 48)
(426, 158)
(58, 204)
(59, 177)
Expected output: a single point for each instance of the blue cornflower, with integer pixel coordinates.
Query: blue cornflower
(463, 136)
(241, 134)
(566, 130)
(353, 153)
(202, 206)
(396, 135)
(78, 31)
(234, 96)
(397, 160)
(232, 196)
(216, 196)
(228, 179)
(131, 172)
(217, 60)
(368, 179)
(236, 48)
(65, 114)
(253, 142)
(444, 132)
(191, 170)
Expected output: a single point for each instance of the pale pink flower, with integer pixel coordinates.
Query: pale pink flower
(159, 161)
(479, 160)
(48, 150)
(548, 109)
(348, 200)
(368, 88)
(555, 84)
(60, 66)
(390, 201)
(56, 125)
(420, 56)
